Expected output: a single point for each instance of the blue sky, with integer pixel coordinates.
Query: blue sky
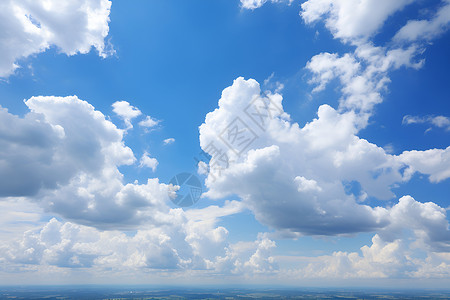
(345, 183)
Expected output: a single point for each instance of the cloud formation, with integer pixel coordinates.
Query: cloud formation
(65, 155)
(416, 30)
(294, 179)
(149, 162)
(189, 240)
(31, 27)
(351, 20)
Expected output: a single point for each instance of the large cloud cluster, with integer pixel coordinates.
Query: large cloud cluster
(189, 240)
(315, 180)
(65, 155)
(294, 179)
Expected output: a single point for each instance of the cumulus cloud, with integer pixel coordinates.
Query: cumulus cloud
(397, 251)
(71, 245)
(65, 155)
(363, 75)
(75, 175)
(149, 162)
(30, 27)
(248, 258)
(433, 162)
(192, 240)
(126, 112)
(351, 20)
(189, 240)
(292, 178)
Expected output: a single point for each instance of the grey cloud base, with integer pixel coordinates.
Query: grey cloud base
(65, 155)
(293, 179)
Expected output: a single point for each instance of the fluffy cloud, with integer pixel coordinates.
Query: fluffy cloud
(149, 162)
(247, 258)
(363, 75)
(252, 4)
(29, 27)
(433, 162)
(294, 179)
(192, 240)
(380, 260)
(416, 30)
(297, 187)
(148, 122)
(71, 245)
(351, 20)
(414, 245)
(65, 155)
(397, 251)
(187, 240)
(126, 111)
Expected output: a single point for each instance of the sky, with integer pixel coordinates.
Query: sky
(226, 142)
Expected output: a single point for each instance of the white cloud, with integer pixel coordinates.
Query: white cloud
(126, 111)
(169, 141)
(380, 260)
(149, 162)
(71, 245)
(148, 122)
(307, 185)
(293, 179)
(32, 26)
(416, 30)
(188, 240)
(75, 175)
(253, 4)
(192, 241)
(65, 155)
(363, 75)
(351, 20)
(438, 121)
(433, 162)
(245, 258)
(398, 250)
